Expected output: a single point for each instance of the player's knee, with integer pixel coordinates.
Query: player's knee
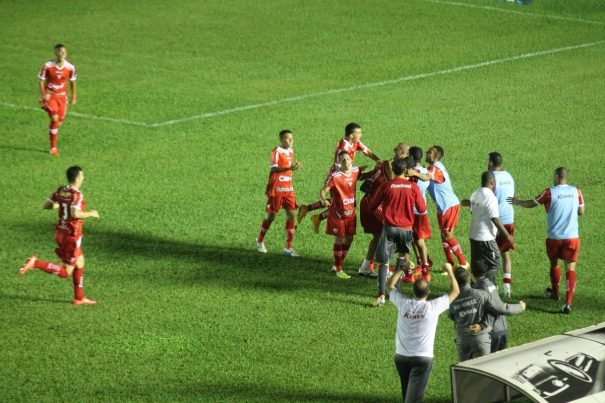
(69, 269)
(271, 217)
(80, 262)
(55, 118)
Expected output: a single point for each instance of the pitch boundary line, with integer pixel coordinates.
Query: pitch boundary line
(312, 95)
(376, 84)
(502, 10)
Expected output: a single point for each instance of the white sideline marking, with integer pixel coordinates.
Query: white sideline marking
(80, 115)
(503, 10)
(328, 92)
(376, 84)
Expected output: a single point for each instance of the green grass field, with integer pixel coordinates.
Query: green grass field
(187, 308)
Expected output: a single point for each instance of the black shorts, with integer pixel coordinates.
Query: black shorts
(393, 238)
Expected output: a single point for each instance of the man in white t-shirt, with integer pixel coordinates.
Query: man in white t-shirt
(485, 225)
(416, 326)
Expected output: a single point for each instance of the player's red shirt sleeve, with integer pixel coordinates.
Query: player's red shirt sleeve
(72, 74)
(437, 174)
(361, 147)
(42, 74)
(580, 197)
(544, 198)
(274, 160)
(419, 200)
(77, 201)
(377, 197)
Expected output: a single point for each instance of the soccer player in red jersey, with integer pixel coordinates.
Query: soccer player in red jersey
(53, 92)
(68, 234)
(280, 191)
(563, 204)
(342, 220)
(350, 143)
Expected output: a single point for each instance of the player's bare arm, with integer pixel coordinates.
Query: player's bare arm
(43, 95)
(502, 229)
(394, 279)
(423, 177)
(50, 205)
(79, 214)
(74, 96)
(295, 165)
(581, 210)
(530, 203)
(370, 154)
(322, 196)
(454, 289)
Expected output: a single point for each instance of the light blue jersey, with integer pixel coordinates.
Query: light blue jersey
(561, 203)
(441, 189)
(422, 185)
(505, 188)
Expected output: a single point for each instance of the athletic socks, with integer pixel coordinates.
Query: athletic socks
(365, 265)
(51, 268)
(78, 281)
(337, 251)
(507, 278)
(455, 247)
(289, 233)
(345, 250)
(53, 132)
(263, 230)
(555, 278)
(449, 256)
(314, 206)
(571, 286)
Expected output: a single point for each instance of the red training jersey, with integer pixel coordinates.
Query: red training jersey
(342, 192)
(56, 77)
(69, 198)
(280, 183)
(379, 176)
(398, 198)
(350, 148)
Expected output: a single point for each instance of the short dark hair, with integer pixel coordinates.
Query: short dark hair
(350, 128)
(59, 46)
(495, 158)
(462, 276)
(283, 133)
(440, 152)
(561, 172)
(72, 173)
(421, 288)
(342, 153)
(416, 153)
(400, 166)
(486, 178)
(479, 268)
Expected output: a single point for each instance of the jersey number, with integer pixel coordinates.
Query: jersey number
(64, 211)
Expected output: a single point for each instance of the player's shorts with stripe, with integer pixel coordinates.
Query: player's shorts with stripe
(371, 221)
(503, 244)
(68, 247)
(422, 227)
(565, 249)
(393, 239)
(275, 203)
(341, 227)
(448, 220)
(56, 105)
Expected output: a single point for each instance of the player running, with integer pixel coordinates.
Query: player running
(280, 191)
(68, 234)
(505, 189)
(53, 76)
(448, 206)
(342, 221)
(563, 204)
(350, 143)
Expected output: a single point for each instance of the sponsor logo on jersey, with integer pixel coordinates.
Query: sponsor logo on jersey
(284, 178)
(346, 202)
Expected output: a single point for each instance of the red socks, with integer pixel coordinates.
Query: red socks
(78, 281)
(289, 233)
(263, 230)
(555, 278)
(337, 251)
(455, 247)
(51, 268)
(53, 131)
(345, 250)
(571, 286)
(449, 256)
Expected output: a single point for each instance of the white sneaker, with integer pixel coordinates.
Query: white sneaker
(261, 247)
(389, 274)
(366, 271)
(506, 287)
(379, 302)
(291, 252)
(332, 269)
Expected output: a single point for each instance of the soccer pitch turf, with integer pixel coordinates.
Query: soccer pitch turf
(180, 104)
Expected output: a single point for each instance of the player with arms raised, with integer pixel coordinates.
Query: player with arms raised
(53, 76)
(68, 234)
(280, 191)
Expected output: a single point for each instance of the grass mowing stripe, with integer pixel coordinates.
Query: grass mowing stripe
(502, 10)
(376, 84)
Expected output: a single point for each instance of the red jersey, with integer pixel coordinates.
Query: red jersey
(350, 148)
(379, 176)
(280, 183)
(56, 77)
(342, 192)
(69, 198)
(398, 198)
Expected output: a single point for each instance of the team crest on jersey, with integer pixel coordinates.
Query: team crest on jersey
(65, 194)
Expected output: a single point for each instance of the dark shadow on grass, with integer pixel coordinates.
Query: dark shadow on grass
(27, 149)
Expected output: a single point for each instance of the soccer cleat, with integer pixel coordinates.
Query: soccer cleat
(29, 264)
(84, 301)
(550, 294)
(506, 287)
(342, 275)
(430, 262)
(467, 266)
(408, 278)
(261, 247)
(426, 276)
(379, 302)
(302, 212)
(316, 221)
(566, 309)
(367, 272)
(333, 269)
(291, 252)
(54, 152)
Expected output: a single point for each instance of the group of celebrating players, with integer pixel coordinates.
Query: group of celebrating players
(393, 210)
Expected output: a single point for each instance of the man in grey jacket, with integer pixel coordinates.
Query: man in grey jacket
(497, 311)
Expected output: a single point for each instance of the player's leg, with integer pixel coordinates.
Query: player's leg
(507, 267)
(273, 206)
(366, 269)
(53, 133)
(384, 251)
(570, 256)
(78, 282)
(552, 251)
(450, 221)
(55, 269)
(289, 231)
